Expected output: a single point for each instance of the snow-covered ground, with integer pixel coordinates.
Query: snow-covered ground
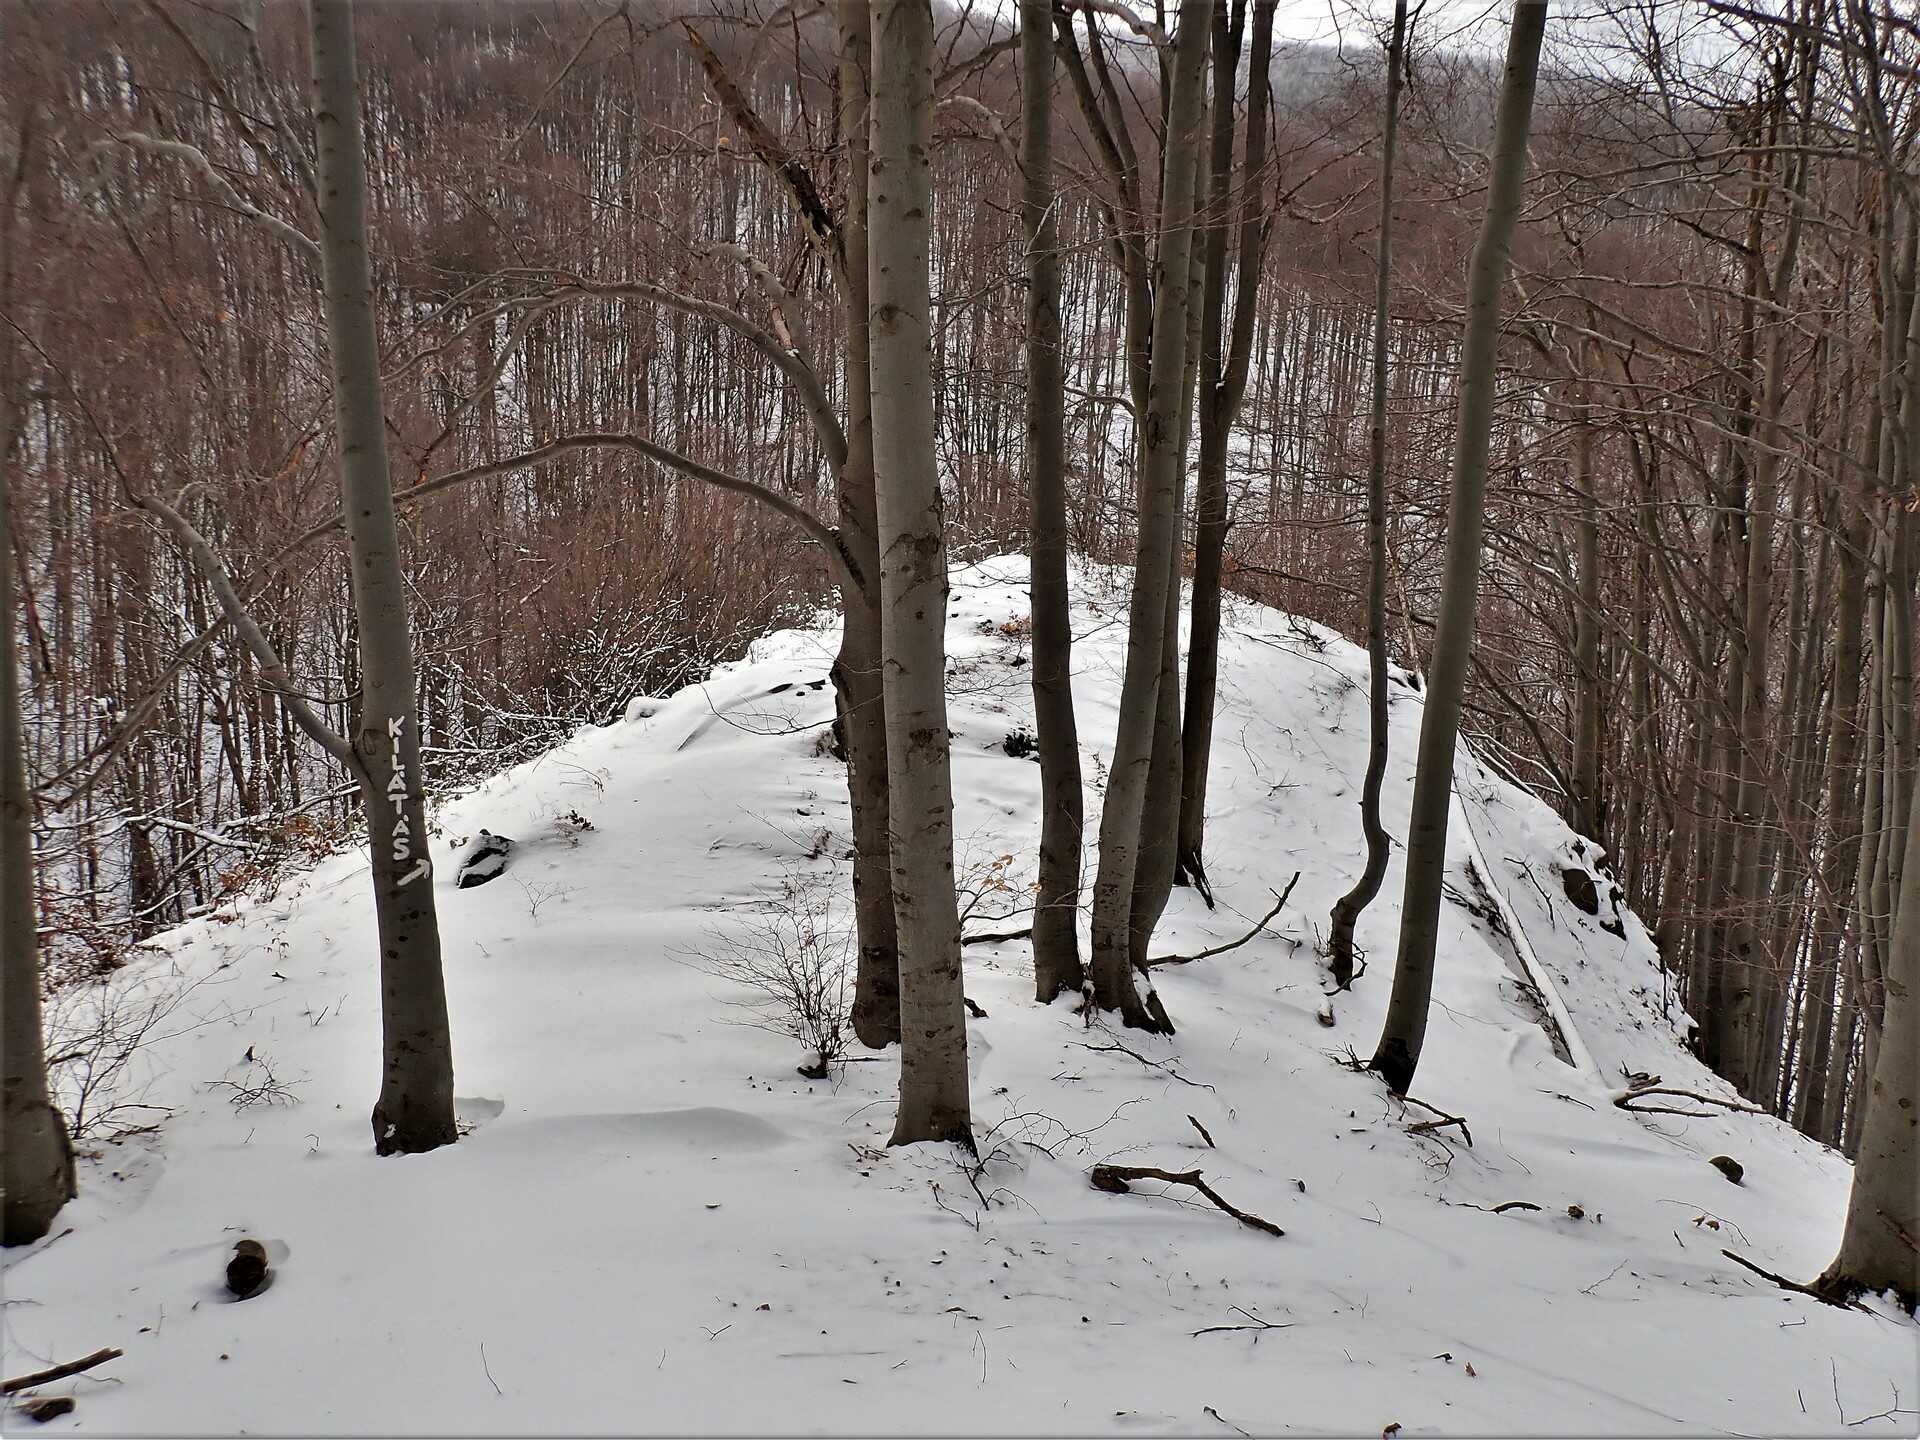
(655, 1224)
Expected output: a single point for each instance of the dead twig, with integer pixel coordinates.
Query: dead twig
(1113, 1179)
(60, 1372)
(1256, 1324)
(1203, 1132)
(1278, 900)
(1624, 1100)
(1427, 1127)
(1794, 1285)
(1164, 1066)
(1505, 1206)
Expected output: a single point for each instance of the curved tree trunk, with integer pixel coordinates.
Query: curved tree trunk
(415, 1108)
(1056, 916)
(1398, 1054)
(913, 583)
(1347, 909)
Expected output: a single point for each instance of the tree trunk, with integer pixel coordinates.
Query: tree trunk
(913, 583)
(415, 1108)
(36, 1162)
(1347, 909)
(1114, 984)
(1056, 916)
(1587, 816)
(1878, 1249)
(1398, 1054)
(856, 670)
(1223, 383)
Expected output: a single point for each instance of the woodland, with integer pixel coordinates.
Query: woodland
(390, 390)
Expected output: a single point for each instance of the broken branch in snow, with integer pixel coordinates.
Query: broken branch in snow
(1113, 1179)
(1256, 1324)
(1164, 1066)
(996, 937)
(1507, 1205)
(1203, 1132)
(1624, 1100)
(60, 1372)
(1427, 1127)
(1794, 1285)
(1278, 900)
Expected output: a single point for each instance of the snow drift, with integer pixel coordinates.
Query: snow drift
(654, 1224)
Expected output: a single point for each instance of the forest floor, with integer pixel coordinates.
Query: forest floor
(655, 1224)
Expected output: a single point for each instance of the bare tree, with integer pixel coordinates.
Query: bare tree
(1398, 1054)
(1115, 983)
(1348, 908)
(1880, 1247)
(36, 1162)
(1056, 916)
(1225, 358)
(913, 582)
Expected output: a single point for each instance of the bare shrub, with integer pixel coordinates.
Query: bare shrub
(795, 961)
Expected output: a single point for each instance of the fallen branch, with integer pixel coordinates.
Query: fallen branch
(997, 937)
(1794, 1285)
(1165, 1067)
(1113, 1179)
(1257, 1324)
(60, 1372)
(1427, 1127)
(1279, 900)
(1203, 1132)
(1505, 1206)
(1624, 1100)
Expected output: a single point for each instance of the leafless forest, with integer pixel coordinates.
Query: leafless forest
(615, 253)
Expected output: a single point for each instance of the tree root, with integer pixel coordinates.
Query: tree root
(1113, 1179)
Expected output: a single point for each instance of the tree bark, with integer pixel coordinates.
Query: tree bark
(1880, 1247)
(36, 1161)
(1224, 365)
(1056, 916)
(913, 582)
(1115, 985)
(858, 689)
(415, 1108)
(1398, 1054)
(1348, 908)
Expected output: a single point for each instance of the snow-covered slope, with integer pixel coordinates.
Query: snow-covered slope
(656, 1225)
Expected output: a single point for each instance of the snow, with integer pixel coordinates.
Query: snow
(654, 1224)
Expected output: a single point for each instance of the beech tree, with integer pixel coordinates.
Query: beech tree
(36, 1162)
(414, 1111)
(1398, 1053)
(1118, 983)
(1056, 916)
(913, 581)
(1349, 907)
(1877, 1249)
